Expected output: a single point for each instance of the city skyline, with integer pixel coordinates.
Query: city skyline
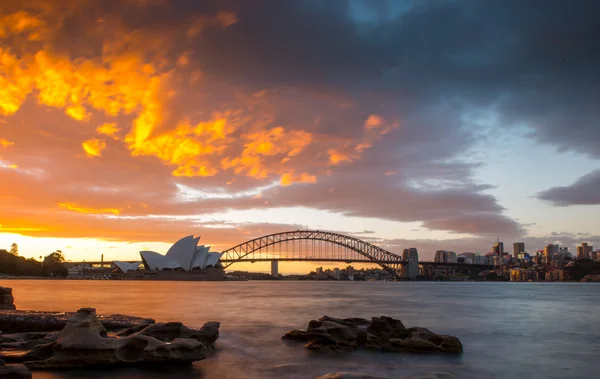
(162, 119)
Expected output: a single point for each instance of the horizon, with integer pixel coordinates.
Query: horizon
(126, 127)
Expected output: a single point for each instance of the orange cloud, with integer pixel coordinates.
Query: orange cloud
(22, 23)
(267, 143)
(373, 121)
(4, 143)
(75, 208)
(291, 177)
(336, 156)
(108, 129)
(188, 147)
(362, 146)
(93, 147)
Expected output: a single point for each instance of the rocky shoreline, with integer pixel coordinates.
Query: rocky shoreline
(33, 340)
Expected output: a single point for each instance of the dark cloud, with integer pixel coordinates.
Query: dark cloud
(585, 191)
(324, 69)
(532, 63)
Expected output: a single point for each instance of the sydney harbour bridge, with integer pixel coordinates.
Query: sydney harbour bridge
(323, 246)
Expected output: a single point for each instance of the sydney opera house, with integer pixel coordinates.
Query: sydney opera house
(184, 260)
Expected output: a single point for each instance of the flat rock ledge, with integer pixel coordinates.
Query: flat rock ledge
(379, 333)
(85, 342)
(12, 321)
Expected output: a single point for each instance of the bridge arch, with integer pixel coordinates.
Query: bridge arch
(373, 253)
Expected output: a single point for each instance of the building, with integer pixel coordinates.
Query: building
(444, 256)
(184, 255)
(498, 248)
(550, 251)
(584, 251)
(127, 266)
(518, 248)
(410, 269)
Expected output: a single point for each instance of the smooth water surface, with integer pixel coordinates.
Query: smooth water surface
(509, 330)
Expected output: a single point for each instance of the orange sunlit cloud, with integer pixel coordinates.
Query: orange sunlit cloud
(289, 178)
(150, 100)
(109, 129)
(93, 147)
(75, 208)
(336, 156)
(5, 143)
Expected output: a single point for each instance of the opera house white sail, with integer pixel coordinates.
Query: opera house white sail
(126, 266)
(183, 255)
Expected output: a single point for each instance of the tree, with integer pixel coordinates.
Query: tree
(55, 258)
(54, 264)
(14, 249)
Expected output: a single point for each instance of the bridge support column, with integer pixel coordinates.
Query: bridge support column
(410, 267)
(275, 269)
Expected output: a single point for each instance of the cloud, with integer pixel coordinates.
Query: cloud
(363, 116)
(585, 191)
(93, 147)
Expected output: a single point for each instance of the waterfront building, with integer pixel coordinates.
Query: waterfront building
(336, 273)
(184, 255)
(584, 251)
(127, 266)
(444, 256)
(550, 251)
(555, 276)
(518, 248)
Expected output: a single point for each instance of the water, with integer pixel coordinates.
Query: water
(509, 330)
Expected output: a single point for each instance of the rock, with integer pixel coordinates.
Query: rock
(349, 375)
(6, 298)
(84, 342)
(32, 321)
(421, 340)
(381, 333)
(333, 336)
(26, 341)
(295, 335)
(169, 331)
(434, 375)
(14, 372)
(386, 327)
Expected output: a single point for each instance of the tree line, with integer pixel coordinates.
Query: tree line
(52, 265)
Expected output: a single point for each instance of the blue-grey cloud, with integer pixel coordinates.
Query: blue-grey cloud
(584, 191)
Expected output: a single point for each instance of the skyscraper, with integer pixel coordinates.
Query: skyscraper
(584, 251)
(518, 248)
(498, 248)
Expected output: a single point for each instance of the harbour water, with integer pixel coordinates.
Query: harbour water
(509, 330)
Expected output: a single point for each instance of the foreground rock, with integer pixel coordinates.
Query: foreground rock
(349, 375)
(14, 372)
(33, 321)
(6, 299)
(85, 342)
(380, 333)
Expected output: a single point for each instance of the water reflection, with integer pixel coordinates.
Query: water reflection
(509, 330)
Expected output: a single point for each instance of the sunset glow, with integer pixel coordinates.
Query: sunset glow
(132, 126)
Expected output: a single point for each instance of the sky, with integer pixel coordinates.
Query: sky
(442, 124)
